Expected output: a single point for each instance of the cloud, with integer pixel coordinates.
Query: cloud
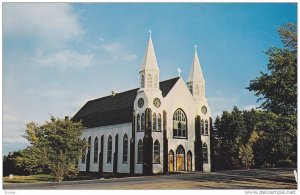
(51, 22)
(115, 52)
(63, 59)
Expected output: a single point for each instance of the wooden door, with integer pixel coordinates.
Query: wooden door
(180, 162)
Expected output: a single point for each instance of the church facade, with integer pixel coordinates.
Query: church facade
(158, 127)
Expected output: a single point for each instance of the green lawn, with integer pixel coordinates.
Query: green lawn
(29, 179)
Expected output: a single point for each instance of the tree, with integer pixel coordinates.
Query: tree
(10, 165)
(55, 145)
(278, 87)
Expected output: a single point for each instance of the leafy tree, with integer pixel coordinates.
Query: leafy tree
(55, 145)
(278, 87)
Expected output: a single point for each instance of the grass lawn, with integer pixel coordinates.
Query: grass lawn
(29, 179)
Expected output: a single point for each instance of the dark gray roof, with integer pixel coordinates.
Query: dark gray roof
(116, 109)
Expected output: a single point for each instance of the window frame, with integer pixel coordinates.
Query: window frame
(140, 152)
(180, 117)
(96, 149)
(206, 127)
(138, 123)
(125, 149)
(205, 154)
(154, 122)
(109, 150)
(142, 122)
(156, 152)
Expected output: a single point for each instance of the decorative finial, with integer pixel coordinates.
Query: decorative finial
(150, 32)
(179, 71)
(195, 47)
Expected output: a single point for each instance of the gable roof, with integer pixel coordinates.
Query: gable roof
(116, 109)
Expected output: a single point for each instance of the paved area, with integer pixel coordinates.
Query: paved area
(238, 179)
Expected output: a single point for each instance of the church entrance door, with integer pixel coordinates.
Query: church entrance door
(171, 161)
(180, 164)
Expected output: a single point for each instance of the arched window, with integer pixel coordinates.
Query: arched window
(142, 81)
(205, 154)
(125, 148)
(154, 122)
(143, 122)
(109, 149)
(159, 122)
(196, 90)
(179, 124)
(191, 89)
(202, 127)
(155, 81)
(156, 152)
(96, 150)
(83, 152)
(149, 81)
(206, 127)
(140, 152)
(138, 123)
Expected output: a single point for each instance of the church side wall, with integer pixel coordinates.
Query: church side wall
(107, 131)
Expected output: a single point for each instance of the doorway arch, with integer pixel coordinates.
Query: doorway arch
(180, 158)
(171, 161)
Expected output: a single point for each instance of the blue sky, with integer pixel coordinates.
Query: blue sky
(57, 56)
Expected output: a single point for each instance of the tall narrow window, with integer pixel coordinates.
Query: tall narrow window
(159, 122)
(125, 148)
(154, 122)
(142, 81)
(149, 81)
(155, 81)
(202, 127)
(96, 150)
(191, 89)
(156, 152)
(143, 122)
(83, 152)
(179, 124)
(204, 151)
(196, 90)
(138, 123)
(140, 152)
(206, 127)
(109, 149)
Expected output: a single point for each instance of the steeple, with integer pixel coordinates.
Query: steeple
(149, 62)
(196, 82)
(149, 71)
(196, 74)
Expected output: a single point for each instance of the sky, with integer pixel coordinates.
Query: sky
(57, 56)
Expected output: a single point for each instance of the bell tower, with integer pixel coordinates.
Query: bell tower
(196, 82)
(149, 72)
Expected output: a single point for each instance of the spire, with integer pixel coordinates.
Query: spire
(196, 74)
(149, 62)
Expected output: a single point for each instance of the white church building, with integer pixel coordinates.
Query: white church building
(159, 127)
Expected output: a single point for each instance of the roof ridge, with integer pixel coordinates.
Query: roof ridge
(127, 91)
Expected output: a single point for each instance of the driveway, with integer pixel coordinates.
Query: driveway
(276, 178)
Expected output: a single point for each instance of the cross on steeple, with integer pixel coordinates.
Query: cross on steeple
(150, 32)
